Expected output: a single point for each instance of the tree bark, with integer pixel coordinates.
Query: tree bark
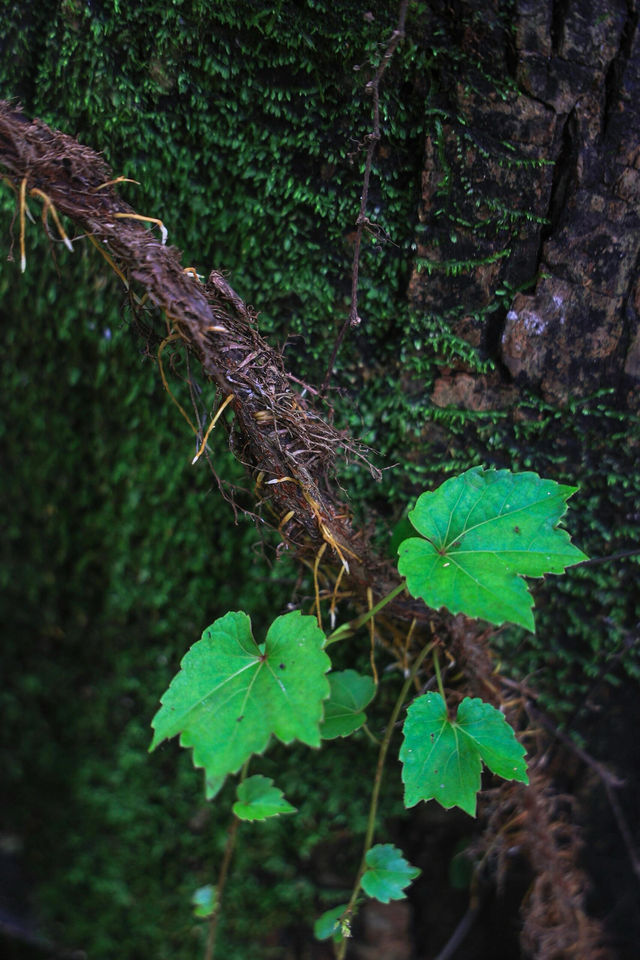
(535, 187)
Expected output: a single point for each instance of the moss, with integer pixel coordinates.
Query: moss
(243, 123)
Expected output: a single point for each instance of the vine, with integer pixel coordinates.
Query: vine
(288, 449)
(478, 534)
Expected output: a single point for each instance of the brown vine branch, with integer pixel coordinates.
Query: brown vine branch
(282, 440)
(373, 89)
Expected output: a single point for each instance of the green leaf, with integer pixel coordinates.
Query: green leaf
(329, 925)
(400, 532)
(442, 759)
(259, 799)
(212, 786)
(231, 695)
(484, 531)
(350, 693)
(204, 902)
(387, 873)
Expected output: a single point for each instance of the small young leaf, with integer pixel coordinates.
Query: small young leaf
(387, 873)
(350, 693)
(259, 799)
(329, 925)
(231, 695)
(204, 901)
(442, 759)
(484, 531)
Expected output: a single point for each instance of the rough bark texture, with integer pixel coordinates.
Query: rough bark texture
(575, 224)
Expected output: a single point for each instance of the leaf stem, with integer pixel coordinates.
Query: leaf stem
(222, 879)
(377, 783)
(348, 629)
(371, 735)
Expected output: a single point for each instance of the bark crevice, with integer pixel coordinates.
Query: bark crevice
(559, 12)
(614, 79)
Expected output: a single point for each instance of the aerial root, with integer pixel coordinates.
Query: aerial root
(316, 586)
(24, 212)
(110, 261)
(331, 540)
(138, 216)
(11, 184)
(23, 204)
(110, 183)
(170, 339)
(285, 520)
(48, 206)
(327, 536)
(222, 406)
(193, 273)
(139, 301)
(334, 599)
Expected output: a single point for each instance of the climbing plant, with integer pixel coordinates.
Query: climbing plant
(257, 179)
(480, 533)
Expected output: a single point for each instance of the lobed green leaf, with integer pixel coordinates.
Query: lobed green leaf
(442, 759)
(232, 695)
(258, 799)
(387, 873)
(350, 693)
(481, 533)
